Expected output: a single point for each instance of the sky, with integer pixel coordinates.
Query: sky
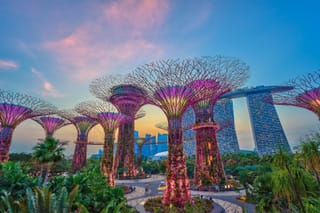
(54, 49)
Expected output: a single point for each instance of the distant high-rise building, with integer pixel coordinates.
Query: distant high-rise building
(150, 146)
(162, 144)
(268, 133)
(226, 136)
(135, 134)
(189, 142)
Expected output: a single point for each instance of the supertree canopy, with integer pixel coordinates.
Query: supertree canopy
(128, 99)
(51, 123)
(305, 93)
(228, 74)
(166, 86)
(107, 116)
(83, 124)
(14, 109)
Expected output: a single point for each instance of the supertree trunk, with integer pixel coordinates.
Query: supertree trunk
(125, 150)
(79, 159)
(208, 165)
(128, 99)
(49, 134)
(177, 191)
(5, 142)
(107, 166)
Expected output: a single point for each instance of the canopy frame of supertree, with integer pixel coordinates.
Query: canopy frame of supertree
(128, 99)
(51, 123)
(14, 109)
(165, 84)
(228, 74)
(83, 125)
(107, 116)
(305, 93)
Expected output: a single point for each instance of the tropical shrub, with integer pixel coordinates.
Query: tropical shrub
(40, 200)
(94, 193)
(14, 179)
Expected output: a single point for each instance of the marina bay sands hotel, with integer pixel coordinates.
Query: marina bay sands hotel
(266, 128)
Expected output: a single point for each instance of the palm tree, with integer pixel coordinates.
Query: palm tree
(289, 180)
(309, 155)
(47, 153)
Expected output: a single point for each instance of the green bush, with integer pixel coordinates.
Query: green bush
(15, 179)
(93, 191)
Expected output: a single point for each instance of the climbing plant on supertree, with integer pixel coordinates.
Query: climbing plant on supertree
(165, 84)
(128, 99)
(51, 123)
(227, 74)
(83, 125)
(14, 109)
(107, 116)
(305, 93)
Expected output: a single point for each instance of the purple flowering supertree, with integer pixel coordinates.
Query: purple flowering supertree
(128, 99)
(107, 116)
(227, 74)
(165, 84)
(83, 124)
(14, 109)
(305, 93)
(51, 123)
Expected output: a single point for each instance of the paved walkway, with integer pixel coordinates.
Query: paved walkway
(138, 197)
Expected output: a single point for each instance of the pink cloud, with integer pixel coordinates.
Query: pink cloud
(120, 35)
(140, 16)
(47, 89)
(8, 64)
(87, 60)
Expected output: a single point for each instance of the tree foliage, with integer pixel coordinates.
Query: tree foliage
(14, 179)
(47, 153)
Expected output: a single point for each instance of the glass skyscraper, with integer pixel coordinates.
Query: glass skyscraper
(268, 133)
(224, 117)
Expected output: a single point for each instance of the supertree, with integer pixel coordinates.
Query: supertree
(107, 116)
(165, 84)
(227, 74)
(14, 109)
(51, 123)
(83, 124)
(128, 99)
(305, 93)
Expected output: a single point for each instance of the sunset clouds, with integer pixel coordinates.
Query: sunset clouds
(136, 17)
(8, 64)
(119, 36)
